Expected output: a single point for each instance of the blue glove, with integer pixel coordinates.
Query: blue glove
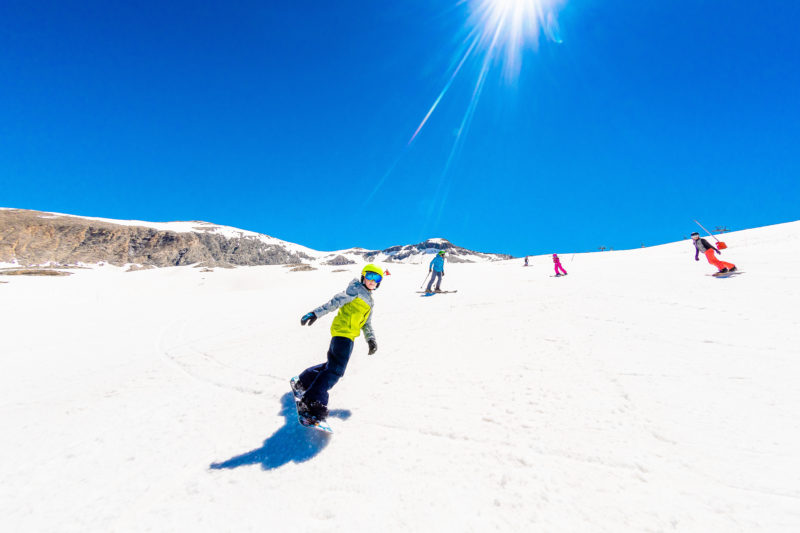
(309, 318)
(373, 346)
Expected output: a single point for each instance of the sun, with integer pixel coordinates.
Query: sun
(505, 27)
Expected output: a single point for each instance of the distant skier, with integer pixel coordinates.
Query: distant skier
(437, 269)
(557, 263)
(355, 314)
(703, 246)
(526, 261)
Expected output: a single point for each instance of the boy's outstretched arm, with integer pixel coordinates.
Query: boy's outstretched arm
(333, 304)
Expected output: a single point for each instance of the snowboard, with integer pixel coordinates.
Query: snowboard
(725, 274)
(320, 425)
(436, 292)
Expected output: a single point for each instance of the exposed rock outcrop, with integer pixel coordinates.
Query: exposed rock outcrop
(33, 237)
(339, 260)
(455, 254)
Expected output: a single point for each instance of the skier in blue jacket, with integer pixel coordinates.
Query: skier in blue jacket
(437, 269)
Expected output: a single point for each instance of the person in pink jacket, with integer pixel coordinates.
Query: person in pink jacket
(557, 263)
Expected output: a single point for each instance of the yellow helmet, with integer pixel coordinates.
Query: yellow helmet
(375, 269)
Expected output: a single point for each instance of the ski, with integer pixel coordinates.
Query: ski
(436, 292)
(725, 274)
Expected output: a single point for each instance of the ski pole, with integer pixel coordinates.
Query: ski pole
(709, 233)
(426, 279)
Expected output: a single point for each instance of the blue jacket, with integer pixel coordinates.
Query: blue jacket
(437, 264)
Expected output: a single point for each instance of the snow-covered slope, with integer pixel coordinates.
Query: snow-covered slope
(635, 394)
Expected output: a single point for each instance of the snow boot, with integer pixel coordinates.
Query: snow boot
(722, 271)
(314, 409)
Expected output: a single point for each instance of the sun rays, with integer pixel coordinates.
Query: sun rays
(498, 33)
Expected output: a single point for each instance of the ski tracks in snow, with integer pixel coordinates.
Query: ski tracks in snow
(224, 360)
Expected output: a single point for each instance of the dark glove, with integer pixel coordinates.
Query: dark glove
(719, 252)
(373, 346)
(696, 258)
(430, 270)
(310, 318)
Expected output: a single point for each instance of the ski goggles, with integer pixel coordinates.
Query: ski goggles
(374, 276)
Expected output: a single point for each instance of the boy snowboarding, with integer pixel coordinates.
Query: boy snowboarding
(436, 267)
(355, 313)
(557, 264)
(703, 246)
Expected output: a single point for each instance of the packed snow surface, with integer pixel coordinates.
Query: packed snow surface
(636, 394)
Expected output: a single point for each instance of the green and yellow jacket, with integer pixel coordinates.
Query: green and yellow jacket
(355, 310)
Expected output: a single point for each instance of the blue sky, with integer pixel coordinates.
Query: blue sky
(293, 119)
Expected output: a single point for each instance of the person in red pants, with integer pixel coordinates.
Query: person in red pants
(703, 246)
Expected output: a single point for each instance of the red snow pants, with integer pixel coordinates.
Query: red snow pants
(716, 262)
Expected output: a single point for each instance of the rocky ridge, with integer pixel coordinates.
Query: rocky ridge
(36, 238)
(40, 238)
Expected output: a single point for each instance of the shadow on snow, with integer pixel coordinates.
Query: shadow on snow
(291, 443)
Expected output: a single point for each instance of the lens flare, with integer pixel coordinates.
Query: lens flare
(444, 91)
